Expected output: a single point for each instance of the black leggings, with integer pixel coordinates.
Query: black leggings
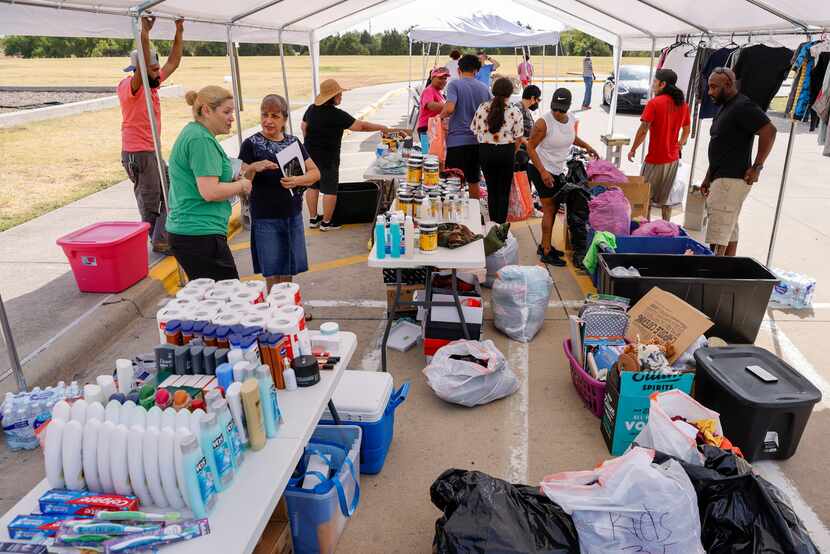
(204, 256)
(497, 166)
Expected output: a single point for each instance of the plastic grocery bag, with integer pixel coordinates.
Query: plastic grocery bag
(629, 504)
(506, 255)
(468, 383)
(437, 138)
(610, 211)
(485, 514)
(520, 205)
(742, 513)
(520, 300)
(663, 434)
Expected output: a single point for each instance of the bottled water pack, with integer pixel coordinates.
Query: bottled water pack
(794, 289)
(23, 413)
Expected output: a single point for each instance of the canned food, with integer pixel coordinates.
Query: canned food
(428, 240)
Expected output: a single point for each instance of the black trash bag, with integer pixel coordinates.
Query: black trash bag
(741, 512)
(483, 514)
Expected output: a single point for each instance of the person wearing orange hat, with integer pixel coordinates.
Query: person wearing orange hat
(432, 102)
(323, 126)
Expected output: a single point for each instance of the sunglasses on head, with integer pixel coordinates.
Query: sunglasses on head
(722, 71)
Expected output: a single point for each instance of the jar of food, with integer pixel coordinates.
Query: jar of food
(435, 209)
(431, 174)
(414, 169)
(405, 203)
(428, 239)
(446, 208)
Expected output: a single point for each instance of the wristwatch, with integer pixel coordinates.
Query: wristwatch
(757, 167)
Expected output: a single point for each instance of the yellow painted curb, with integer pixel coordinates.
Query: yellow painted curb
(167, 270)
(371, 108)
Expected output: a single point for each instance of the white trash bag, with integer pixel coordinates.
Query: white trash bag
(675, 438)
(468, 383)
(520, 300)
(504, 256)
(629, 504)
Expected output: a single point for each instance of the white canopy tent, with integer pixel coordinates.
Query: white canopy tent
(626, 24)
(481, 31)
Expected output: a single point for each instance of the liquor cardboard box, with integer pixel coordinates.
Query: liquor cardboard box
(626, 403)
(638, 192)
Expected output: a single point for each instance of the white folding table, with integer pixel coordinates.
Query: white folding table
(243, 510)
(470, 256)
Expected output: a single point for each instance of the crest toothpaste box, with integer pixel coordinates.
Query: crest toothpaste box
(58, 501)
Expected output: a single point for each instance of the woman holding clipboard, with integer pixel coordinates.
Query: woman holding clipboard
(280, 169)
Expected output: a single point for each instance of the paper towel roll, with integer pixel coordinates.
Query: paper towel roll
(202, 283)
(191, 293)
(235, 307)
(256, 286)
(247, 296)
(280, 300)
(291, 289)
(221, 293)
(296, 315)
(227, 284)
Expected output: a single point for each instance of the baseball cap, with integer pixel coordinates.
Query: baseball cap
(154, 59)
(667, 76)
(561, 100)
(440, 72)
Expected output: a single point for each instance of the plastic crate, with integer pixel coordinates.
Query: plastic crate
(357, 203)
(733, 292)
(591, 390)
(319, 515)
(109, 256)
(765, 419)
(367, 399)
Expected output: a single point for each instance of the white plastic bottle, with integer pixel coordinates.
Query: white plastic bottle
(200, 490)
(409, 237)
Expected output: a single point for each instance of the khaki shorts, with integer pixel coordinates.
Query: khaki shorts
(723, 206)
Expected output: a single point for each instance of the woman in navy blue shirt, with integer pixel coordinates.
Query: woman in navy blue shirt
(277, 236)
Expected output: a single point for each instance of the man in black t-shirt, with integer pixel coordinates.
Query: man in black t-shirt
(323, 126)
(731, 172)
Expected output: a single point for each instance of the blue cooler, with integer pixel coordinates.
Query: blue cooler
(368, 399)
(318, 515)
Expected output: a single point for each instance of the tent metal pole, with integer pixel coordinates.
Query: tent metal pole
(437, 53)
(314, 50)
(777, 13)
(780, 204)
(612, 111)
(14, 358)
(650, 95)
(285, 85)
(673, 15)
(409, 85)
(256, 10)
(556, 66)
(543, 70)
(237, 92)
(423, 60)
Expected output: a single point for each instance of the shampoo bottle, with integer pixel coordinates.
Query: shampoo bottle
(103, 454)
(200, 489)
(253, 413)
(119, 469)
(53, 454)
(218, 405)
(150, 455)
(90, 454)
(167, 468)
(135, 463)
(72, 457)
(238, 413)
(268, 399)
(218, 449)
(380, 237)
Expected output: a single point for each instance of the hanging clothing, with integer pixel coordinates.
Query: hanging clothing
(822, 109)
(761, 70)
(718, 58)
(803, 61)
(678, 61)
(816, 82)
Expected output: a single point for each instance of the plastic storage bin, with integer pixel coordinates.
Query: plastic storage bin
(110, 256)
(764, 419)
(358, 203)
(591, 390)
(733, 292)
(367, 399)
(319, 515)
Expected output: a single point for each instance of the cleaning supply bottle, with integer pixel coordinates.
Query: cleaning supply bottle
(268, 399)
(395, 238)
(409, 237)
(218, 450)
(200, 490)
(380, 237)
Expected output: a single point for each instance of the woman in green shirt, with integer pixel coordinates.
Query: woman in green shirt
(202, 181)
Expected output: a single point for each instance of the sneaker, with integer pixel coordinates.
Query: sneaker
(552, 259)
(553, 251)
(324, 226)
(314, 222)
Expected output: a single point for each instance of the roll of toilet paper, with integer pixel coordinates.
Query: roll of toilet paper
(255, 320)
(227, 284)
(223, 294)
(246, 296)
(263, 309)
(166, 314)
(235, 307)
(290, 329)
(227, 319)
(291, 289)
(191, 293)
(205, 314)
(212, 303)
(202, 283)
(296, 314)
(280, 300)
(256, 286)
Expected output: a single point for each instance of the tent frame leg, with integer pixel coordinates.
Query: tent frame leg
(779, 205)
(285, 85)
(612, 111)
(14, 358)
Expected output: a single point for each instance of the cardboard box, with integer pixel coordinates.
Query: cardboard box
(276, 538)
(660, 314)
(407, 295)
(626, 403)
(638, 192)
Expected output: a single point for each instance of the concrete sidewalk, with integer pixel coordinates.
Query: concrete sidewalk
(39, 291)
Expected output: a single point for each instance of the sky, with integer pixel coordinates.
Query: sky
(427, 12)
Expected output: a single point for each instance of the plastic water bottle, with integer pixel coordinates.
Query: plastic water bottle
(395, 238)
(794, 289)
(380, 237)
(9, 422)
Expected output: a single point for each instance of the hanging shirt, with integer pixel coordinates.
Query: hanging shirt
(732, 135)
(760, 71)
(719, 58)
(136, 134)
(666, 119)
(677, 60)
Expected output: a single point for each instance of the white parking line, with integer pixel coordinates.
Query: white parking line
(518, 356)
(793, 356)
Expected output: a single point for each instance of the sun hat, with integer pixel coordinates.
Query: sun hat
(328, 90)
(154, 60)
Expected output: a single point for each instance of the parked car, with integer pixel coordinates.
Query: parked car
(633, 89)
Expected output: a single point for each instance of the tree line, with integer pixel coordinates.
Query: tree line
(387, 43)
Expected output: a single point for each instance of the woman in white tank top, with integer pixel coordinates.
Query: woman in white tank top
(548, 148)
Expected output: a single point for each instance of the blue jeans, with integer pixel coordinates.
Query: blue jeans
(278, 246)
(589, 85)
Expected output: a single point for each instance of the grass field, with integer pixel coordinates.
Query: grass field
(48, 164)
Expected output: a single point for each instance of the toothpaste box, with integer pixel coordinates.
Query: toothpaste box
(34, 526)
(20, 547)
(59, 501)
